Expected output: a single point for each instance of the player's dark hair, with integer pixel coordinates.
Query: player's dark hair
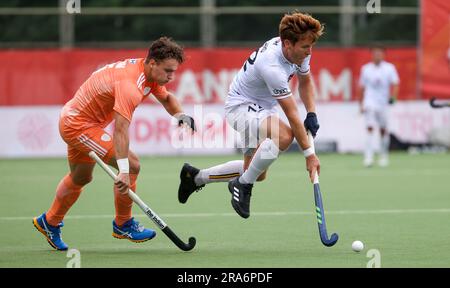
(296, 26)
(165, 48)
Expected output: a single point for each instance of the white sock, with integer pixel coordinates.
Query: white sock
(265, 155)
(385, 144)
(368, 152)
(220, 173)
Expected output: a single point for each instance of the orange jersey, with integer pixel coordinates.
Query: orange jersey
(118, 87)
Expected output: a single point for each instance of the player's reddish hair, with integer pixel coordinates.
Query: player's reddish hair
(165, 48)
(296, 26)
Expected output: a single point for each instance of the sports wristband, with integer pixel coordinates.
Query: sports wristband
(124, 165)
(308, 152)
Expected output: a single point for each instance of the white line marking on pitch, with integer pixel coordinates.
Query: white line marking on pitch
(177, 215)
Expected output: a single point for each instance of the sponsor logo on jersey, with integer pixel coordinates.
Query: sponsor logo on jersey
(280, 91)
(105, 137)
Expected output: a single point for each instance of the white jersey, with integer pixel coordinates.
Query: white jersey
(376, 81)
(265, 76)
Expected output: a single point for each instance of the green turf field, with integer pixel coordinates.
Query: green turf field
(403, 211)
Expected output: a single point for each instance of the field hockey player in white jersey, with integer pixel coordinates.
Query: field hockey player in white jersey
(261, 84)
(378, 87)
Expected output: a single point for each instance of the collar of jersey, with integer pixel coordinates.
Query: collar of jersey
(284, 58)
(381, 63)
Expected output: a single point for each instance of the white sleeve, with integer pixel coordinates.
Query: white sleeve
(304, 67)
(394, 79)
(276, 80)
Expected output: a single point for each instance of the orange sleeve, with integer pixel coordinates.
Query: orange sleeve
(127, 98)
(159, 92)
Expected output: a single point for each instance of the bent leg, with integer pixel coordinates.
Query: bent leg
(369, 150)
(220, 173)
(122, 202)
(279, 137)
(68, 191)
(384, 136)
(247, 160)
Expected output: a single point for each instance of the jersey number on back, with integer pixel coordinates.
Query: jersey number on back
(251, 60)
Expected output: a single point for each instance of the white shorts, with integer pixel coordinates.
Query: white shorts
(246, 119)
(376, 117)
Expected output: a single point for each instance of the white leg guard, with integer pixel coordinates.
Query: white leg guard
(264, 156)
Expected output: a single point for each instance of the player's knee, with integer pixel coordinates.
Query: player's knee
(82, 180)
(286, 140)
(135, 167)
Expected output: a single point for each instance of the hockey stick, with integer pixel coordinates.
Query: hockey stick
(435, 103)
(149, 212)
(319, 208)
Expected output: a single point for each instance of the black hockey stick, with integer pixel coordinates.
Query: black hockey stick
(319, 208)
(435, 103)
(149, 212)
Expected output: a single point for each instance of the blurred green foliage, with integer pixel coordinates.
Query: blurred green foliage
(247, 29)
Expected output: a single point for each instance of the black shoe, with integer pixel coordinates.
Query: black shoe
(187, 184)
(240, 197)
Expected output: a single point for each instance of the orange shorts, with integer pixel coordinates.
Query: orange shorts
(81, 142)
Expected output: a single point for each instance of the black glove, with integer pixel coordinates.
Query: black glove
(311, 123)
(392, 100)
(186, 119)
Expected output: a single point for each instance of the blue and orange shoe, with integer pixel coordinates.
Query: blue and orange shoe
(52, 233)
(132, 231)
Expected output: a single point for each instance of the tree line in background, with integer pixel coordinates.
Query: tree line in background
(249, 28)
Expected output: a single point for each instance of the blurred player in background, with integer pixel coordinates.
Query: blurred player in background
(111, 93)
(378, 87)
(261, 84)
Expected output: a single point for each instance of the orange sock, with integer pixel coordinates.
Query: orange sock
(124, 203)
(67, 193)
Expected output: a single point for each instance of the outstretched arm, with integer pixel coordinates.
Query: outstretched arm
(171, 104)
(289, 107)
(121, 146)
(360, 97)
(394, 95)
(306, 90)
(173, 107)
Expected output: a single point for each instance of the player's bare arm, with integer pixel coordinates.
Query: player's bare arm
(394, 94)
(360, 96)
(306, 90)
(171, 104)
(291, 111)
(121, 146)
(173, 107)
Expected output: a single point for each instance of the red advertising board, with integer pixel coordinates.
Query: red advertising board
(435, 49)
(51, 77)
